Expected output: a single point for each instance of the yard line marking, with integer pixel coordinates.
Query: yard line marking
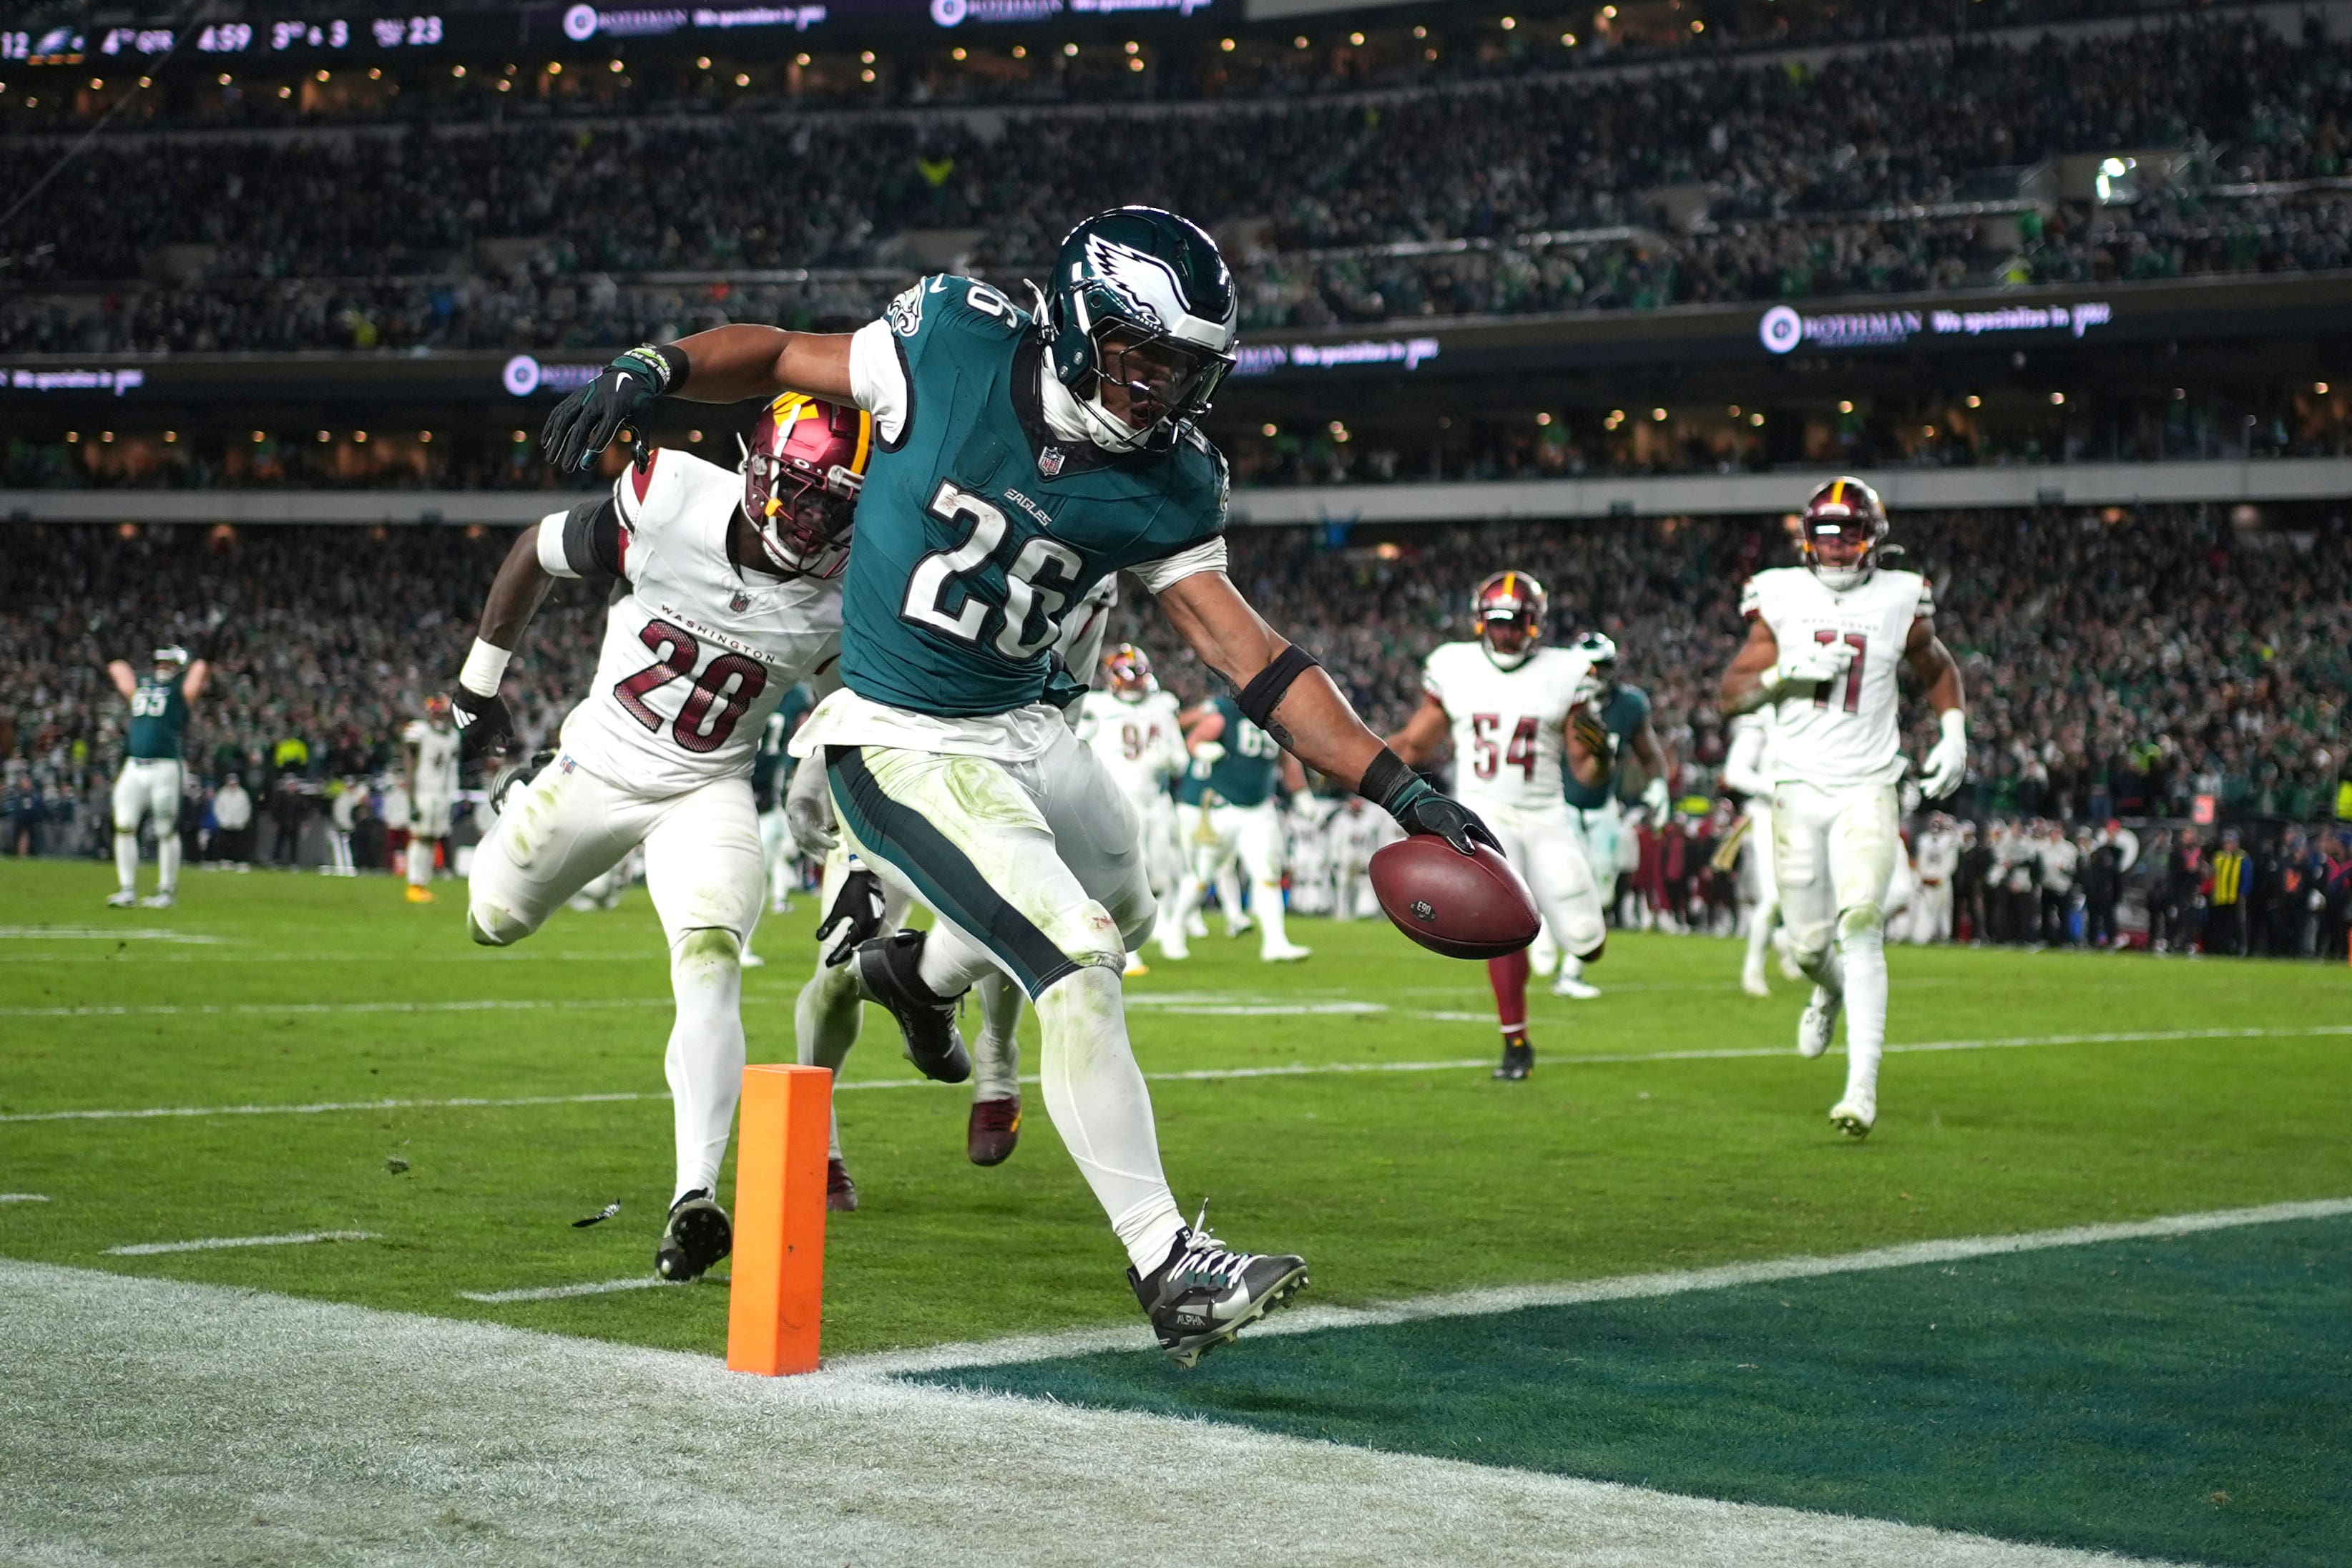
(106, 934)
(1517, 1298)
(1195, 1075)
(564, 1292)
(271, 1009)
(24, 1197)
(149, 1248)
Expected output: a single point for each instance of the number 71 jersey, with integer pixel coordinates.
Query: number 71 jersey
(1845, 732)
(1509, 725)
(696, 652)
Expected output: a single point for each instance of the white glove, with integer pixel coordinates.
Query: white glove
(1207, 756)
(1948, 759)
(1655, 796)
(808, 810)
(1804, 667)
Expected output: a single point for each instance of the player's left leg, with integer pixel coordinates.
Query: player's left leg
(427, 827)
(704, 869)
(1800, 869)
(163, 805)
(1258, 840)
(994, 1126)
(1764, 897)
(1863, 842)
(829, 1012)
(130, 806)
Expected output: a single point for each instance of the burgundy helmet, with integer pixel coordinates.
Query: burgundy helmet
(802, 470)
(1510, 608)
(1842, 525)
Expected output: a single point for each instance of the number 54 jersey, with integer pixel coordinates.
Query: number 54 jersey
(698, 651)
(1845, 733)
(1509, 725)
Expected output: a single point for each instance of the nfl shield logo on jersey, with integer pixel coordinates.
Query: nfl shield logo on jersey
(740, 602)
(1049, 461)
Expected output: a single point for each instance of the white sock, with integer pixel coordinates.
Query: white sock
(704, 1063)
(167, 862)
(825, 1020)
(1863, 958)
(1267, 902)
(1759, 937)
(996, 1055)
(420, 862)
(952, 961)
(1229, 897)
(126, 859)
(1095, 1095)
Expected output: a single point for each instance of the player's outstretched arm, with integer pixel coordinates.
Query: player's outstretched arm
(1946, 762)
(125, 678)
(724, 364)
(484, 722)
(1286, 694)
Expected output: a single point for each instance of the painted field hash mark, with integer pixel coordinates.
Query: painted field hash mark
(213, 1243)
(107, 933)
(24, 1197)
(566, 1292)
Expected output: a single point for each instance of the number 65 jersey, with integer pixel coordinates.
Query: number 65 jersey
(1846, 732)
(1509, 725)
(698, 651)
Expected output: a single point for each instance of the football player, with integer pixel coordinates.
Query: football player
(1138, 735)
(723, 595)
(1823, 643)
(1748, 772)
(1622, 711)
(428, 748)
(1521, 720)
(1940, 864)
(1021, 458)
(153, 772)
(1230, 818)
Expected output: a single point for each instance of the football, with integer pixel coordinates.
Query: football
(1464, 906)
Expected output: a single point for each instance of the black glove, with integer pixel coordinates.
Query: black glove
(484, 724)
(585, 423)
(1418, 808)
(855, 915)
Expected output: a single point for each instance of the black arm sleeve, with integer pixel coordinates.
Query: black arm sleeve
(592, 538)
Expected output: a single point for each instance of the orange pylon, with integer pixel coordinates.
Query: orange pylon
(777, 1298)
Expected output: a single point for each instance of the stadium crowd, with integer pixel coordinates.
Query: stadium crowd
(1714, 182)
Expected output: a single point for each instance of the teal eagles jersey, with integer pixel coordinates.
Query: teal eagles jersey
(1245, 774)
(159, 718)
(978, 529)
(771, 766)
(1622, 715)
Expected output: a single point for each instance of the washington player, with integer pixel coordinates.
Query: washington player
(1823, 641)
(724, 597)
(1518, 717)
(428, 748)
(153, 772)
(1136, 732)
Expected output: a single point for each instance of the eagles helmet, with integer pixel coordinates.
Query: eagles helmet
(1510, 608)
(1140, 299)
(174, 656)
(1840, 532)
(1598, 651)
(802, 471)
(1130, 673)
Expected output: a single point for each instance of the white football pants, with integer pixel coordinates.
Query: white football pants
(1225, 837)
(1763, 888)
(148, 786)
(704, 870)
(1834, 854)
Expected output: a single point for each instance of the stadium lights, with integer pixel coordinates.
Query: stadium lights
(1543, 418)
(1226, 45)
(1733, 410)
(694, 437)
(288, 92)
(510, 69)
(613, 65)
(1928, 431)
(145, 82)
(957, 54)
(72, 437)
(1699, 27)
(1132, 47)
(1357, 39)
(1756, 419)
(702, 62)
(1430, 53)
(2320, 388)
(1509, 23)
(800, 59)
(1609, 13)
(259, 437)
(107, 435)
(520, 437)
(1269, 430)
(1845, 405)
(1338, 430)
(1658, 415)
(865, 75)
(1069, 51)
(170, 437)
(325, 435)
(223, 78)
(555, 67)
(360, 436)
(322, 75)
(375, 73)
(1135, 64)
(1299, 42)
(1020, 51)
(425, 436)
(866, 57)
(97, 83)
(1567, 40)
(2056, 399)
(744, 78)
(1974, 401)
(1420, 32)
(504, 86)
(457, 71)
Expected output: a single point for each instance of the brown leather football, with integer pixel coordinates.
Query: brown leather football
(1464, 906)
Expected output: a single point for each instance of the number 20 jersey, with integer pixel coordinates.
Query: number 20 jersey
(697, 653)
(1845, 732)
(1509, 725)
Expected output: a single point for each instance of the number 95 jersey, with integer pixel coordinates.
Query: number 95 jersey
(698, 652)
(1509, 725)
(1845, 733)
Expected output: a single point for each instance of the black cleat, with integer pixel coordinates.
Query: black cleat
(1519, 1058)
(890, 973)
(840, 1192)
(698, 1235)
(1205, 1292)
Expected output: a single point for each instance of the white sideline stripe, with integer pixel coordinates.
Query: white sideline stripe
(403, 1439)
(24, 1197)
(1195, 1075)
(1517, 1298)
(273, 1009)
(564, 1292)
(149, 1248)
(106, 934)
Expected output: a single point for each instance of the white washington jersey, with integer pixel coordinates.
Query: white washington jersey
(1140, 745)
(697, 653)
(436, 759)
(1509, 725)
(1845, 732)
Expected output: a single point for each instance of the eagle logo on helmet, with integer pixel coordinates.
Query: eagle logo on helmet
(1510, 608)
(1848, 513)
(1135, 277)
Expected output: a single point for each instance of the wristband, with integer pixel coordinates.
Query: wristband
(486, 665)
(664, 365)
(1386, 779)
(1267, 690)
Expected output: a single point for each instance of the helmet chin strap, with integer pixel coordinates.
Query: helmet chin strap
(1074, 419)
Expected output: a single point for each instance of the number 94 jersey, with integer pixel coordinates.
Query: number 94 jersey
(1845, 732)
(698, 652)
(1509, 725)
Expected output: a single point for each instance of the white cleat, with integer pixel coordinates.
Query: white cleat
(156, 901)
(1237, 929)
(1288, 952)
(1818, 1025)
(1854, 1118)
(124, 899)
(1752, 981)
(1196, 926)
(1575, 990)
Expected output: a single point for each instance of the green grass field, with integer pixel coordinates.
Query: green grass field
(1669, 1126)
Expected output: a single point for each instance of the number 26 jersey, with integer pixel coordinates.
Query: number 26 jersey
(698, 652)
(1509, 725)
(1846, 731)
